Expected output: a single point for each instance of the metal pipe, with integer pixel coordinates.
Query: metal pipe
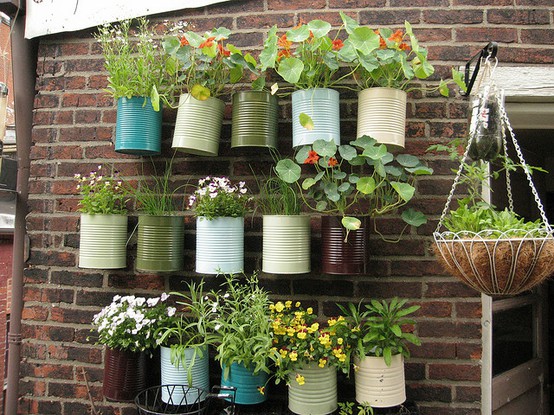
(24, 62)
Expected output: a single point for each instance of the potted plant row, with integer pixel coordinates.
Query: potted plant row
(198, 67)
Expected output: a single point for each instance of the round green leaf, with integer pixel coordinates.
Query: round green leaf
(302, 154)
(366, 185)
(407, 160)
(291, 69)
(321, 206)
(308, 182)
(413, 217)
(319, 28)
(351, 223)
(347, 152)
(404, 190)
(325, 148)
(201, 93)
(420, 170)
(288, 170)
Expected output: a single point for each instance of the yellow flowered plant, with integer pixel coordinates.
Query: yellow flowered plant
(300, 339)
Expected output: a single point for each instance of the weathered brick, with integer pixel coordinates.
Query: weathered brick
(458, 372)
(449, 329)
(509, 15)
(382, 17)
(429, 393)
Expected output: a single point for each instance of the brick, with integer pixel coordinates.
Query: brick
(434, 350)
(537, 36)
(481, 34)
(35, 313)
(449, 329)
(141, 282)
(355, 4)
(513, 16)
(53, 371)
(376, 18)
(389, 289)
(300, 4)
(469, 309)
(449, 290)
(322, 287)
(468, 393)
(81, 279)
(429, 393)
(466, 17)
(77, 391)
(434, 309)
(75, 48)
(458, 372)
(53, 258)
(470, 351)
(46, 101)
(70, 315)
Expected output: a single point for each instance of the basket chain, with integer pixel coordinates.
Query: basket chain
(506, 123)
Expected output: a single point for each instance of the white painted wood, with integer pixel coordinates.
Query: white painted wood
(47, 17)
(486, 359)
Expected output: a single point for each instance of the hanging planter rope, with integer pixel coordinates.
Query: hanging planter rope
(493, 262)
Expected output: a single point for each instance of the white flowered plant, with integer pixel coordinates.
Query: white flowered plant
(130, 323)
(218, 197)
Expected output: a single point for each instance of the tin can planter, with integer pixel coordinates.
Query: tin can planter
(103, 241)
(138, 128)
(196, 369)
(198, 125)
(219, 245)
(380, 385)
(160, 246)
(318, 394)
(322, 106)
(255, 120)
(340, 257)
(286, 244)
(124, 374)
(247, 383)
(382, 115)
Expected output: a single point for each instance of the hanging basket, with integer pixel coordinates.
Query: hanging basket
(490, 261)
(496, 266)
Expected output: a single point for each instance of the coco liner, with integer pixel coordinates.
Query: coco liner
(496, 266)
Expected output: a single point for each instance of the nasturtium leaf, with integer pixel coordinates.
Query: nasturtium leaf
(302, 154)
(308, 182)
(404, 190)
(407, 160)
(288, 170)
(325, 148)
(319, 28)
(347, 152)
(200, 92)
(413, 217)
(291, 69)
(321, 206)
(351, 223)
(306, 121)
(366, 185)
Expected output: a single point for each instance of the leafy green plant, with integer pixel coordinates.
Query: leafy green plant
(277, 197)
(362, 171)
(242, 326)
(219, 197)
(474, 214)
(101, 194)
(203, 64)
(383, 58)
(305, 56)
(134, 61)
(347, 408)
(156, 195)
(191, 327)
(379, 329)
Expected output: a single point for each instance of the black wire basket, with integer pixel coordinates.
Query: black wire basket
(182, 400)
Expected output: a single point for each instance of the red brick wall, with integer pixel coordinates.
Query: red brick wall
(6, 254)
(74, 126)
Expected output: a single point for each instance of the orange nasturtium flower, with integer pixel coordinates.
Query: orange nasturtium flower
(312, 157)
(332, 162)
(403, 46)
(284, 42)
(222, 50)
(382, 43)
(184, 41)
(397, 36)
(208, 43)
(337, 44)
(283, 53)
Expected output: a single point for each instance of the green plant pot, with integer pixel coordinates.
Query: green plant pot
(160, 243)
(255, 120)
(382, 115)
(103, 241)
(318, 395)
(138, 129)
(198, 125)
(286, 244)
(247, 383)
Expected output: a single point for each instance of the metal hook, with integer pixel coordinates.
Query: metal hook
(487, 53)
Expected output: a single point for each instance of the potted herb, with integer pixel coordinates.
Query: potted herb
(308, 58)
(244, 338)
(379, 337)
(360, 179)
(310, 353)
(184, 341)
(204, 65)
(492, 250)
(136, 69)
(103, 237)
(285, 232)
(385, 64)
(127, 329)
(219, 206)
(160, 241)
